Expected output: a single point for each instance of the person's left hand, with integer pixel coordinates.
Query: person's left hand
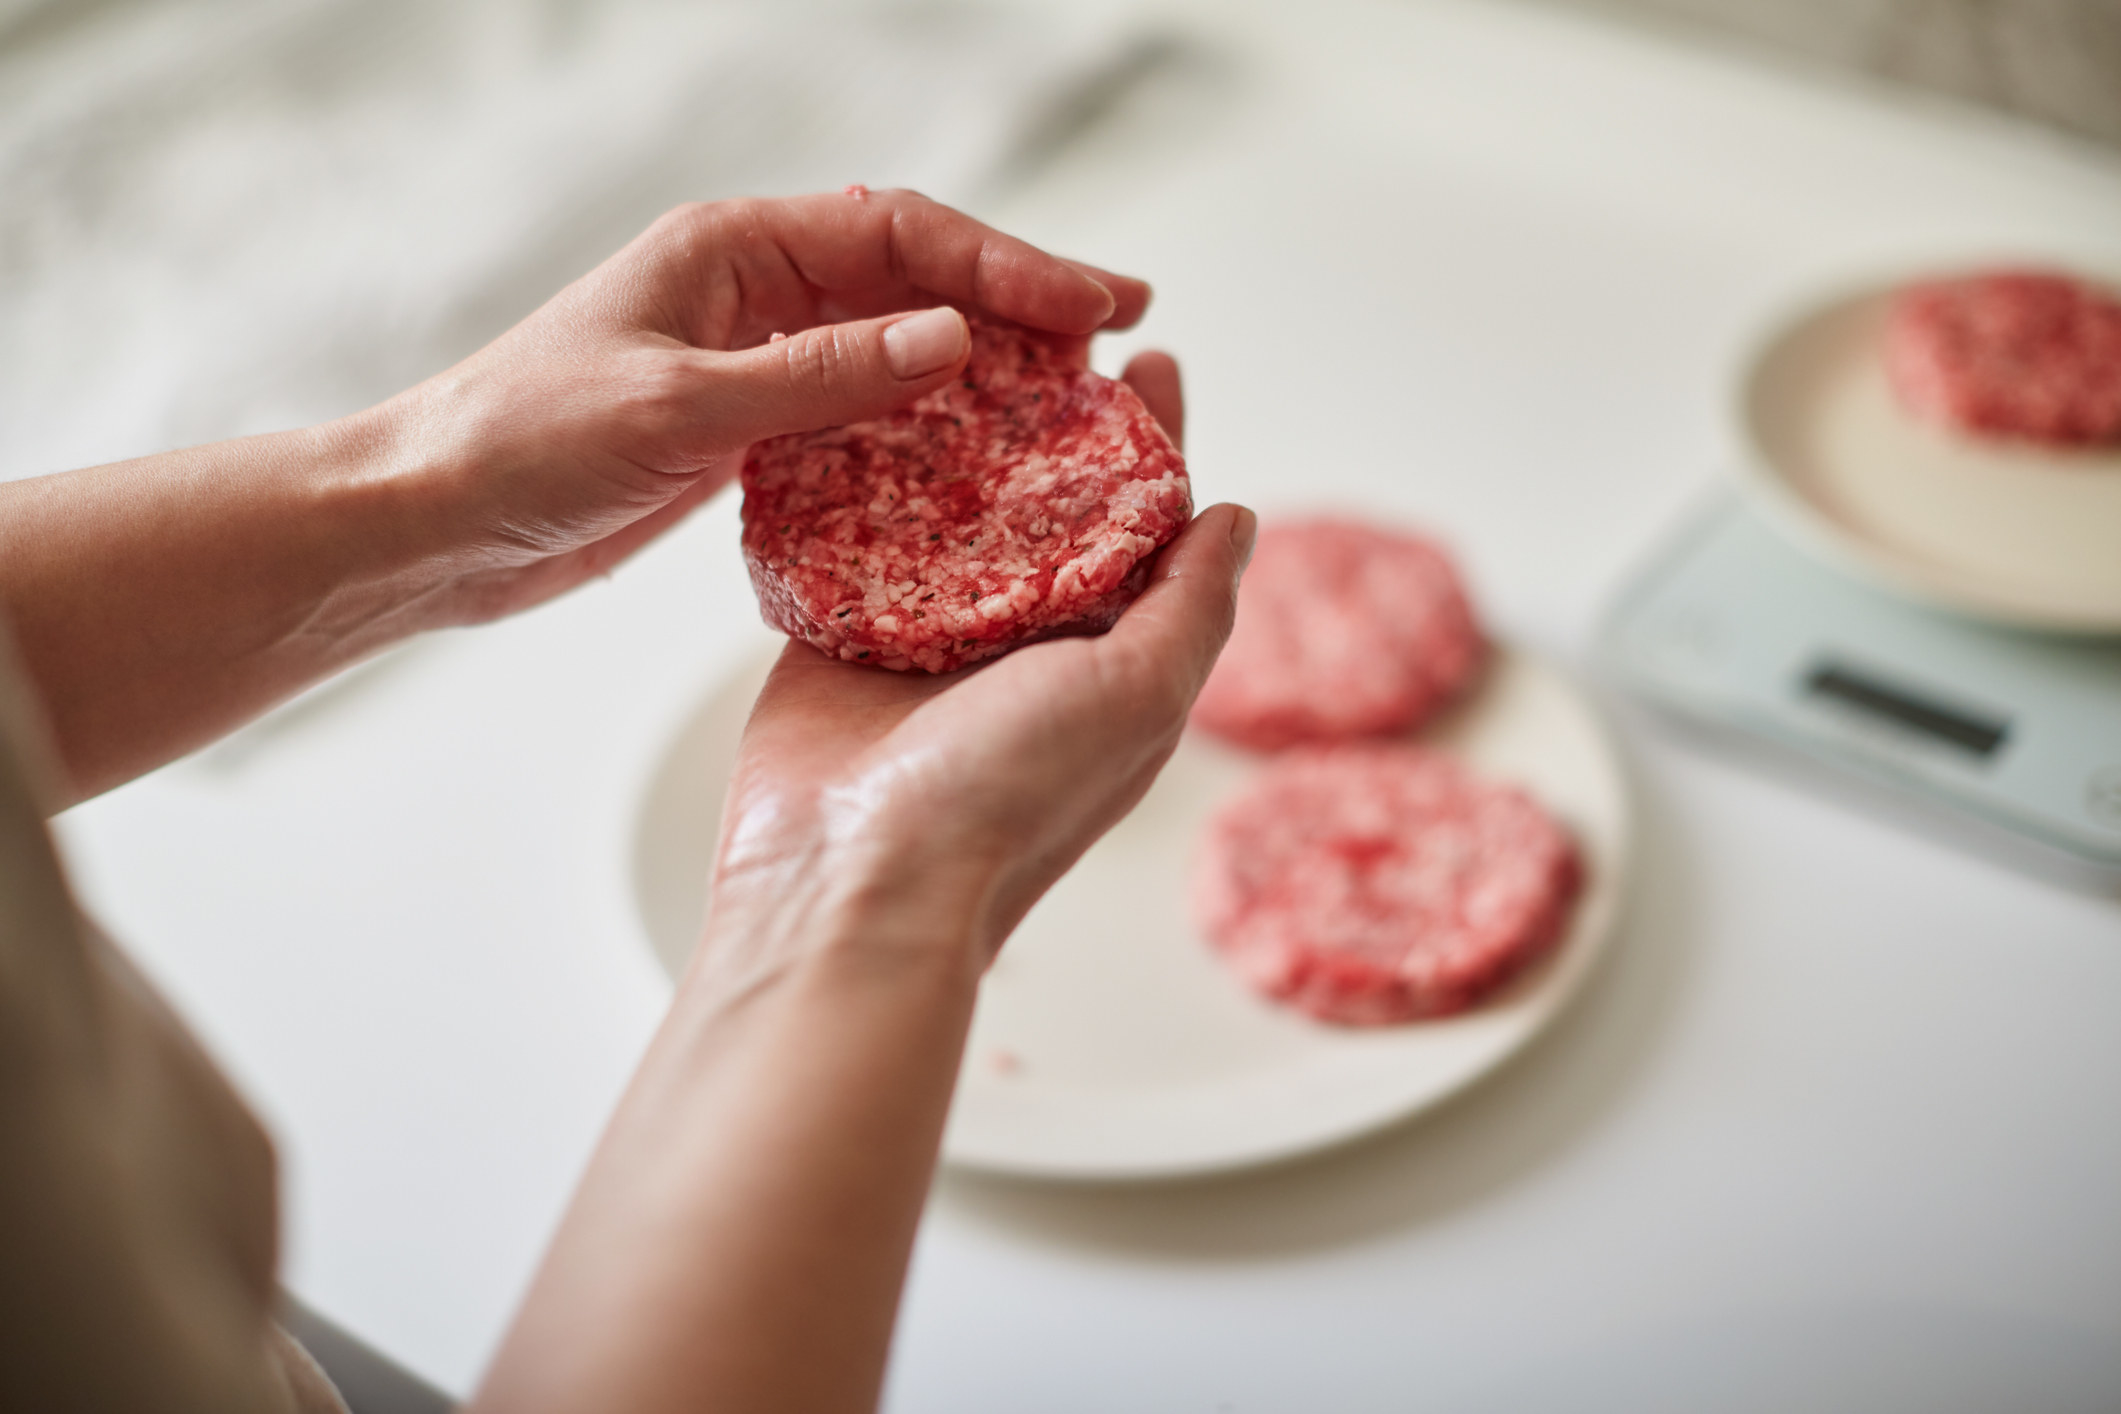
(599, 421)
(936, 809)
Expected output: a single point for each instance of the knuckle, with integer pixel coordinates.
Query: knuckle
(685, 219)
(680, 234)
(819, 361)
(733, 219)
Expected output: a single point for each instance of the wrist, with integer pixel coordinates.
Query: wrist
(411, 487)
(357, 525)
(516, 485)
(789, 901)
(449, 500)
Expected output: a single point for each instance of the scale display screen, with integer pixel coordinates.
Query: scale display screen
(1977, 735)
(1735, 626)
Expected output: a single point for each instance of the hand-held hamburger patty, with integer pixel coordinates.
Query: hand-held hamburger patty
(1343, 630)
(2024, 354)
(1021, 502)
(1375, 883)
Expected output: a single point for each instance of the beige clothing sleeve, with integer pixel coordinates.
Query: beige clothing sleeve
(137, 1194)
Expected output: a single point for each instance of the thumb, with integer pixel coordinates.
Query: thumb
(834, 374)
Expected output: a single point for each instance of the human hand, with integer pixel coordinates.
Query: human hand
(161, 602)
(927, 810)
(603, 418)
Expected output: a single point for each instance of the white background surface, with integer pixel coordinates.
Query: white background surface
(1838, 1125)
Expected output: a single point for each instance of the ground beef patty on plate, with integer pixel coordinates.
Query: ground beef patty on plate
(1376, 883)
(1343, 630)
(1019, 502)
(2023, 354)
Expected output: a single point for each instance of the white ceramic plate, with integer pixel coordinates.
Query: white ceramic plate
(1110, 1043)
(1993, 529)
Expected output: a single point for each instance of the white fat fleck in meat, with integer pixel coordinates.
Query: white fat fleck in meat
(1008, 603)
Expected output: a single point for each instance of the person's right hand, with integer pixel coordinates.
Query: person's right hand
(162, 602)
(939, 808)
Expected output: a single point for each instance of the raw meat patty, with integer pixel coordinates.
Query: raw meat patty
(2013, 353)
(1342, 631)
(1021, 502)
(1378, 882)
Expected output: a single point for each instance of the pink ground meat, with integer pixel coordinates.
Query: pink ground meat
(2023, 354)
(1021, 502)
(1374, 883)
(1343, 630)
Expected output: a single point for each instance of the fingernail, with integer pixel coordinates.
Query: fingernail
(1111, 300)
(919, 344)
(1244, 534)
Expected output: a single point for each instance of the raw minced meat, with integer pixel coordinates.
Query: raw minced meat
(2024, 354)
(1343, 630)
(1022, 501)
(1381, 882)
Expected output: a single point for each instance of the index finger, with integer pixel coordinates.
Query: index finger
(846, 242)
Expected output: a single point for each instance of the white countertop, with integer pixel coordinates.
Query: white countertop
(1839, 1124)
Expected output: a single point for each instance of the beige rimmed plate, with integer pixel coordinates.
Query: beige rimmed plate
(1109, 1042)
(1997, 530)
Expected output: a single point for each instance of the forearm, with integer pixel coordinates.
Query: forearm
(742, 1235)
(160, 602)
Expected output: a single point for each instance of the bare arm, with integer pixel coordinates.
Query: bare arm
(159, 603)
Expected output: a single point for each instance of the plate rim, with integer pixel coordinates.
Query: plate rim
(1776, 493)
(1567, 971)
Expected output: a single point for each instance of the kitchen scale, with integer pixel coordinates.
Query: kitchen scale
(1734, 625)
(1896, 599)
